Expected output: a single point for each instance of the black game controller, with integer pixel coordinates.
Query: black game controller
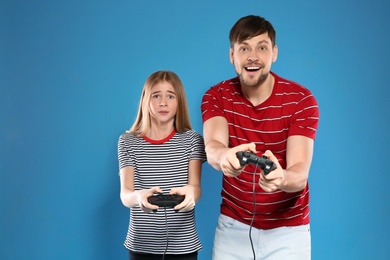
(250, 158)
(170, 200)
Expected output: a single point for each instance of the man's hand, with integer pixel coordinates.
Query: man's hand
(229, 163)
(273, 180)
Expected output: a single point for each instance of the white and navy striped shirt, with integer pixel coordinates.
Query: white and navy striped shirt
(161, 163)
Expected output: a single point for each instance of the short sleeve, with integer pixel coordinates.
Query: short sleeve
(197, 147)
(211, 105)
(124, 152)
(306, 118)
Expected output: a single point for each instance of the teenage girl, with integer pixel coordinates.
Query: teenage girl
(161, 154)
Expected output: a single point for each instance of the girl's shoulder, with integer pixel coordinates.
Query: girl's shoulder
(190, 132)
(128, 136)
(190, 135)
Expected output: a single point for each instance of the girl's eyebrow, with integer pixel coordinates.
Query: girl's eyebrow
(159, 91)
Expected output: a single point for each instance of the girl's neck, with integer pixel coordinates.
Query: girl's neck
(160, 132)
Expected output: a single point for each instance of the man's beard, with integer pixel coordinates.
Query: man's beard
(253, 82)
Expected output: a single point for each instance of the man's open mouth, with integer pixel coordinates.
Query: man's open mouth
(252, 68)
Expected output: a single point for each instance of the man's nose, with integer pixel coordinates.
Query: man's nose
(252, 56)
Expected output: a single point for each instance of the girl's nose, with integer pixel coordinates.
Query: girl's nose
(163, 103)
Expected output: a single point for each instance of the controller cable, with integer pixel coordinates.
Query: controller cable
(166, 227)
(254, 210)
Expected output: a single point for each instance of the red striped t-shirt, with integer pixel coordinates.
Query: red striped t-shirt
(290, 110)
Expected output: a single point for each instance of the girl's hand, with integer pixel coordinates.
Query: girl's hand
(189, 200)
(142, 198)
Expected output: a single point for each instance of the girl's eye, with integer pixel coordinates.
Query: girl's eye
(171, 96)
(155, 96)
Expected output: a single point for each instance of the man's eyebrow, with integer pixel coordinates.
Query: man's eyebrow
(264, 41)
(258, 43)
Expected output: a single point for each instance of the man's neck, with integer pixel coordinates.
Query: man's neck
(258, 94)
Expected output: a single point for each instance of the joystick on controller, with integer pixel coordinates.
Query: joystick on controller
(250, 158)
(166, 201)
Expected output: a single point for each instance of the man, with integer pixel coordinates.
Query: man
(262, 216)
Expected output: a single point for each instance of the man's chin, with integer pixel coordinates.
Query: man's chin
(253, 81)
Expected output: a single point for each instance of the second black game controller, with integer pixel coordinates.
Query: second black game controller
(250, 158)
(166, 201)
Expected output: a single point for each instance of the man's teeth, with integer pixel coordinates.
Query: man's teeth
(252, 68)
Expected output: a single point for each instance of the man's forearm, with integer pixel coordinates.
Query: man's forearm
(295, 178)
(214, 151)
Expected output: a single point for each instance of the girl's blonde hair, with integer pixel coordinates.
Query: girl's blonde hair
(182, 120)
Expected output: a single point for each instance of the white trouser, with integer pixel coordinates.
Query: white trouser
(232, 242)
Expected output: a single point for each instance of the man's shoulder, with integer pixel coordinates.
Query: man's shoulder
(225, 87)
(289, 84)
(228, 82)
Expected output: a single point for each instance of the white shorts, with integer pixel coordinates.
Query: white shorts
(231, 242)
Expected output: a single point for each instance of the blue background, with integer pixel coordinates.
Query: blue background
(71, 77)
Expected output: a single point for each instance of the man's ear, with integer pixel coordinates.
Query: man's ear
(231, 56)
(275, 53)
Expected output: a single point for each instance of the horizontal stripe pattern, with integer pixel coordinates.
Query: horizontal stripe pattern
(165, 165)
(290, 110)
